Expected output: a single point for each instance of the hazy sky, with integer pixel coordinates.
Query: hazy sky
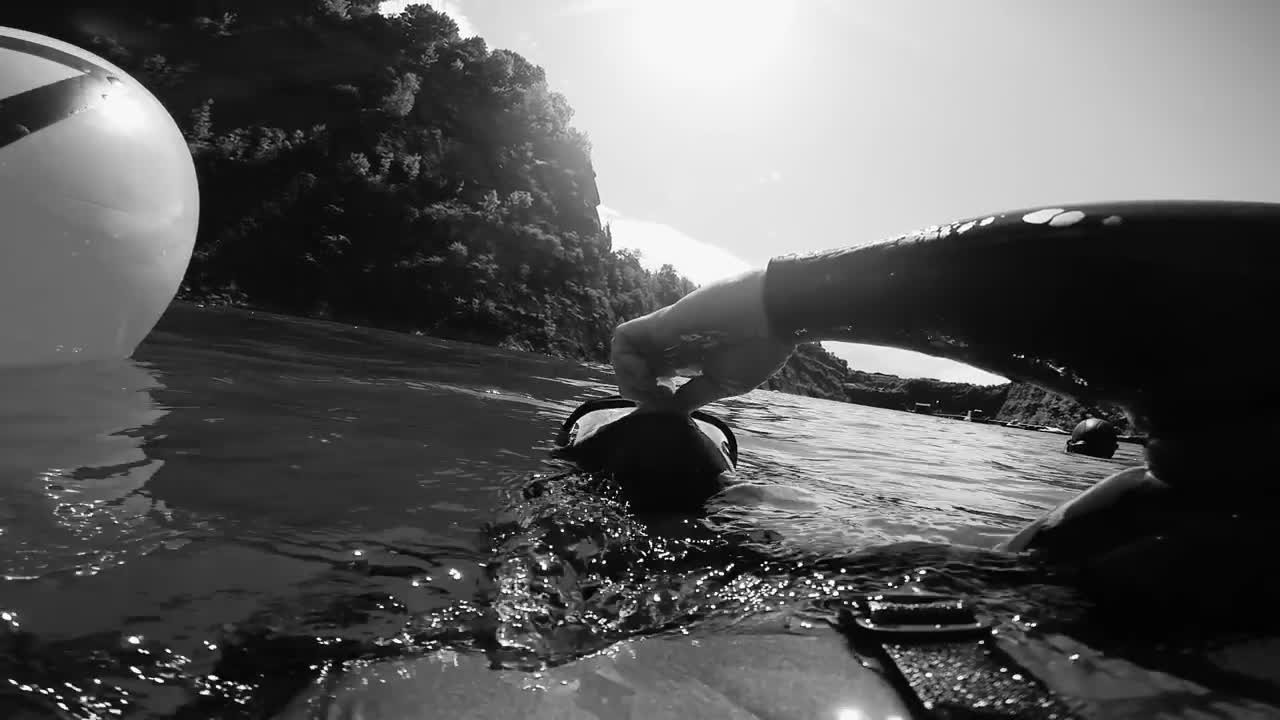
(763, 128)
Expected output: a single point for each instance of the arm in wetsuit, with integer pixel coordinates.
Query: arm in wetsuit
(1162, 308)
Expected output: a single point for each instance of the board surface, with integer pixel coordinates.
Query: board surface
(757, 675)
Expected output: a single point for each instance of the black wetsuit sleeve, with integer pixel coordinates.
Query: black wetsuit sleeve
(1132, 303)
(993, 295)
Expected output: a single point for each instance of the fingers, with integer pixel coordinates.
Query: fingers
(734, 370)
(636, 377)
(698, 392)
(705, 330)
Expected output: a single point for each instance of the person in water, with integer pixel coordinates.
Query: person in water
(1177, 297)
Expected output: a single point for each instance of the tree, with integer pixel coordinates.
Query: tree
(390, 172)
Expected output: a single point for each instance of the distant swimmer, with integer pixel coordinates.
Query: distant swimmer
(1179, 295)
(1094, 437)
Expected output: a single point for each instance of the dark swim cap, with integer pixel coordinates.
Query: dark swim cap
(1094, 437)
(662, 461)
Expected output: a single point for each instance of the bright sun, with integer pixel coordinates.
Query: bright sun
(707, 43)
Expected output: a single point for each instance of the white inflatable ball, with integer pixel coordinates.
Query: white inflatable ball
(98, 205)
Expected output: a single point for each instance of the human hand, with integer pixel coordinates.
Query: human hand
(718, 334)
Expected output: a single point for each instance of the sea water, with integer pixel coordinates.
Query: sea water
(255, 500)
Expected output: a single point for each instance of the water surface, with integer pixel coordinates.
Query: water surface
(194, 532)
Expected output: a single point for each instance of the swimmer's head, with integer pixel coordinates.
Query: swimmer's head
(662, 461)
(1094, 437)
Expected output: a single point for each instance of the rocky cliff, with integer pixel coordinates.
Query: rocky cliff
(891, 391)
(815, 372)
(1030, 405)
(811, 371)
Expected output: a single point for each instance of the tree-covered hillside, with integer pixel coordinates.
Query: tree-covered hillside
(377, 169)
(1030, 405)
(891, 391)
(386, 171)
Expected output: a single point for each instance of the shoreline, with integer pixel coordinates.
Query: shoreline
(217, 301)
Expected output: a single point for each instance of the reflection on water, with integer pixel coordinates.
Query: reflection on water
(70, 471)
(257, 503)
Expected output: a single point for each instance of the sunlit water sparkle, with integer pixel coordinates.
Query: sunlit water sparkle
(257, 503)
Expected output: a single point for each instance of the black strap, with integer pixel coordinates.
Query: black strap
(617, 401)
(945, 657)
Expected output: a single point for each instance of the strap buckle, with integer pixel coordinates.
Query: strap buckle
(907, 616)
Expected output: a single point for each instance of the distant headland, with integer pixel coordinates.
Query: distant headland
(815, 372)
